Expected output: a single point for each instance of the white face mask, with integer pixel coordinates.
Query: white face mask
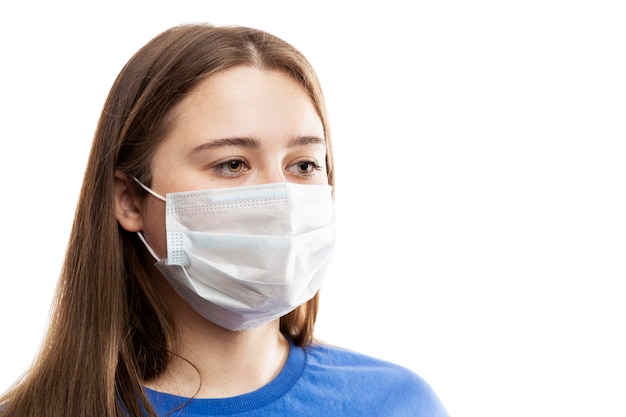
(244, 256)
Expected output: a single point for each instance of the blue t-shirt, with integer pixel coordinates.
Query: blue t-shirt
(320, 381)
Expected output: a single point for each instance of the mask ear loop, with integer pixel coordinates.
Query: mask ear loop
(141, 236)
(145, 187)
(145, 242)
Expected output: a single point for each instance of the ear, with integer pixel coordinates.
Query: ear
(127, 204)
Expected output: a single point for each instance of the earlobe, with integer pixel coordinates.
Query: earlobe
(127, 204)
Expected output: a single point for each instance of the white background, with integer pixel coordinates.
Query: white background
(480, 149)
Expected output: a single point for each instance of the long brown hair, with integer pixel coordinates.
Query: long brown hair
(109, 329)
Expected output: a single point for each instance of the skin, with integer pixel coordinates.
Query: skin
(242, 126)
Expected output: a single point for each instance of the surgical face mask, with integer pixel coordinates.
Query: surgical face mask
(244, 256)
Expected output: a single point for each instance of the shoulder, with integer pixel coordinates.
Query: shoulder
(372, 382)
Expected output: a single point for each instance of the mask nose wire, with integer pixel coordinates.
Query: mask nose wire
(141, 236)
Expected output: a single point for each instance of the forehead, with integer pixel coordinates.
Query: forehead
(247, 99)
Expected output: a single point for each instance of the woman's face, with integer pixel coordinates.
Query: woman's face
(242, 126)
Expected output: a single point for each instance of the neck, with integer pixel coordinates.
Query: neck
(213, 362)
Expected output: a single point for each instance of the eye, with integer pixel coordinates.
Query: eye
(234, 166)
(231, 167)
(306, 168)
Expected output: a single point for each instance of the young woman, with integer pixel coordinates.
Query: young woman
(203, 230)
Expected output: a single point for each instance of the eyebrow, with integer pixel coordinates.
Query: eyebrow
(306, 140)
(252, 143)
(236, 141)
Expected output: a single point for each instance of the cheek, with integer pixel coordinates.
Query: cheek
(154, 231)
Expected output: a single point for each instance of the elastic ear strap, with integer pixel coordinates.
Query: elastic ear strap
(145, 242)
(145, 187)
